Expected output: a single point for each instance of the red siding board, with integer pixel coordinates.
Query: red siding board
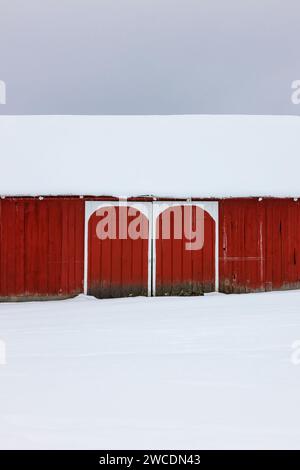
(19, 249)
(42, 245)
(259, 245)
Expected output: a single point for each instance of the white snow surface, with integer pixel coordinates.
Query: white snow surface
(167, 156)
(208, 372)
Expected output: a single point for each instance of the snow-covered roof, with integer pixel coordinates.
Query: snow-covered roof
(178, 156)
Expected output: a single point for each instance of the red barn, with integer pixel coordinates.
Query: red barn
(235, 176)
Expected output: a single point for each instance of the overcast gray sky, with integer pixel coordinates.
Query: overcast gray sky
(149, 56)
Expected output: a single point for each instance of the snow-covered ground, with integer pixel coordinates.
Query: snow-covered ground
(207, 372)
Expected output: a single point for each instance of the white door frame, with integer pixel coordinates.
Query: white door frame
(151, 210)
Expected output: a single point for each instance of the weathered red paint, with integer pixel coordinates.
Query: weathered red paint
(42, 251)
(180, 271)
(259, 245)
(42, 248)
(282, 244)
(117, 267)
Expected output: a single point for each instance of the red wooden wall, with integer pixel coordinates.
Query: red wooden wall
(41, 247)
(180, 271)
(42, 252)
(259, 245)
(117, 267)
